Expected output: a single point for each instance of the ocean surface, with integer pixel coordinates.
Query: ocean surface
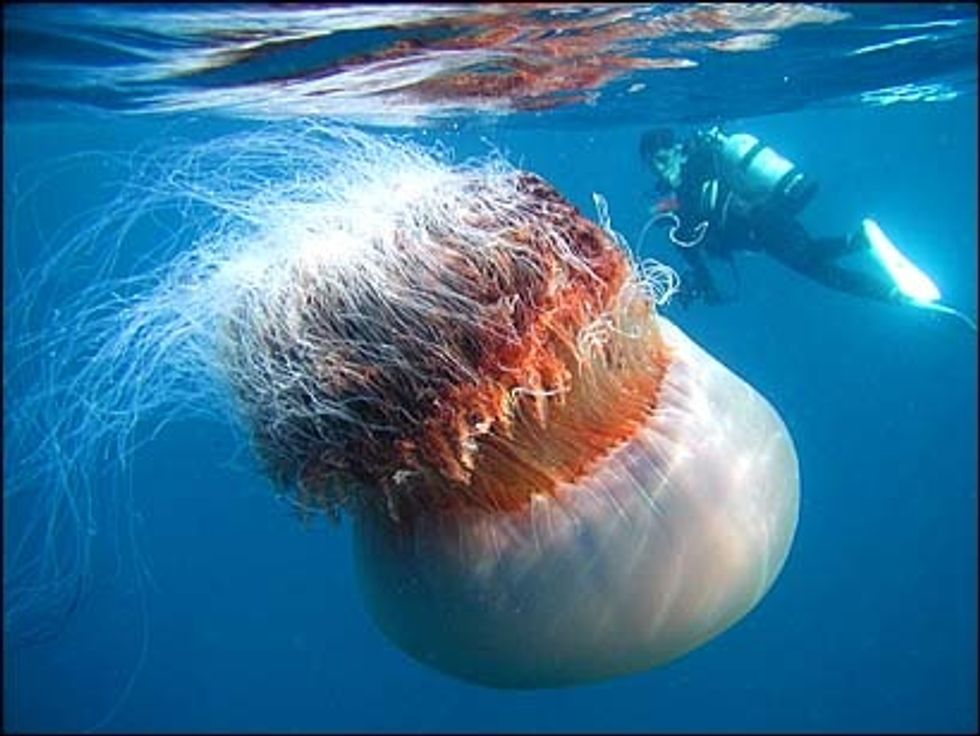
(186, 596)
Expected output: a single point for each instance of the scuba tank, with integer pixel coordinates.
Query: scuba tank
(758, 175)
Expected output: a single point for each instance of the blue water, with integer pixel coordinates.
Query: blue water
(237, 617)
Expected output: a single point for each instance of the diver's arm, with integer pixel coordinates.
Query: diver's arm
(697, 281)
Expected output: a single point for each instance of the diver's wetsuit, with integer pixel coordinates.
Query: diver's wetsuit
(733, 226)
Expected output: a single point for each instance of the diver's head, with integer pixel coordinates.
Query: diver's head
(665, 157)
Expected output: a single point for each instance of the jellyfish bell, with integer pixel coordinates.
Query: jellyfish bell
(637, 558)
(550, 483)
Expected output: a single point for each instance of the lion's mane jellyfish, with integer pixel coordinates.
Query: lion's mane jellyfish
(550, 484)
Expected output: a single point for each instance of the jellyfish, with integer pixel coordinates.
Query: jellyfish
(549, 482)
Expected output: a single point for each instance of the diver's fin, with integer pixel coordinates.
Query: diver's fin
(910, 281)
(945, 309)
(911, 285)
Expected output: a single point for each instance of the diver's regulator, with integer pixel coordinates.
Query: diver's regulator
(758, 174)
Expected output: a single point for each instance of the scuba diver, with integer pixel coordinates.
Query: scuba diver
(730, 193)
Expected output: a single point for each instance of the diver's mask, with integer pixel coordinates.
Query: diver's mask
(668, 163)
(759, 175)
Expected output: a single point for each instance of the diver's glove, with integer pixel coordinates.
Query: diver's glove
(691, 290)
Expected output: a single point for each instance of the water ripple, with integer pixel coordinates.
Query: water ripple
(417, 64)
